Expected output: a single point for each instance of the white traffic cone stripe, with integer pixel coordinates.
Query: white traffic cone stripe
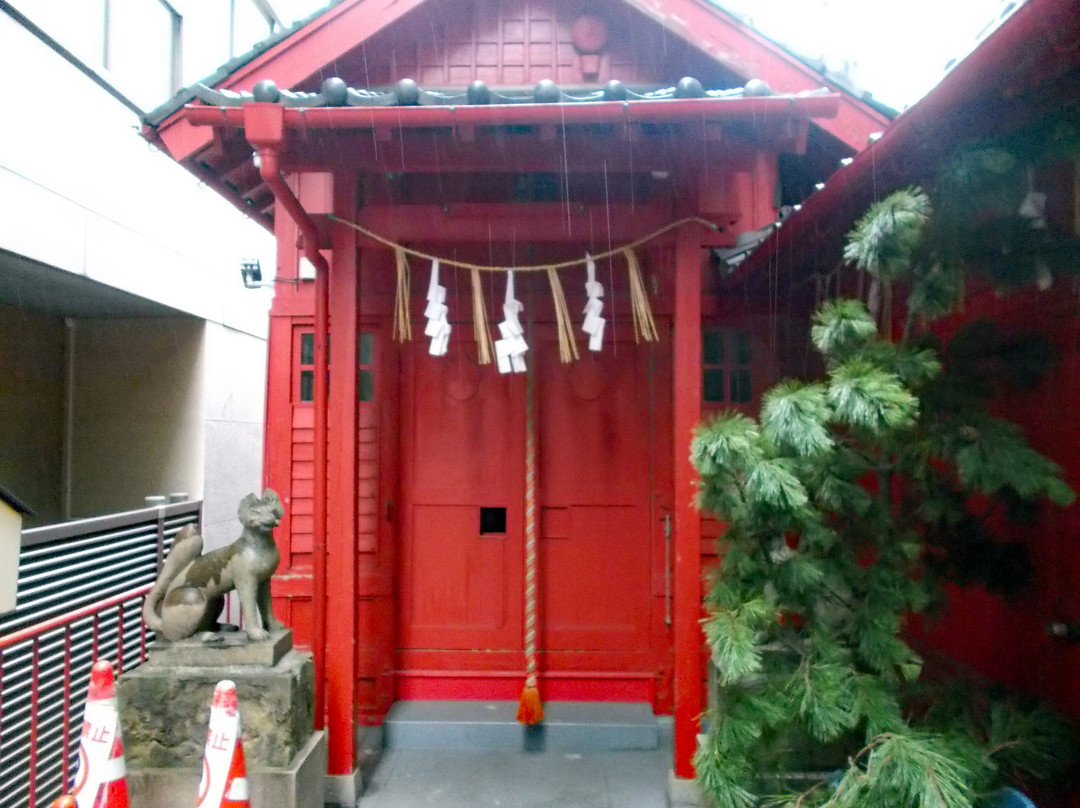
(113, 770)
(222, 745)
(238, 789)
(95, 746)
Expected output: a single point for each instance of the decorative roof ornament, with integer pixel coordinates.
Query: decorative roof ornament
(334, 92)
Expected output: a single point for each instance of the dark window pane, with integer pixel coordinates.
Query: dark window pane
(307, 349)
(307, 385)
(742, 348)
(367, 385)
(712, 347)
(740, 386)
(367, 349)
(714, 384)
(492, 520)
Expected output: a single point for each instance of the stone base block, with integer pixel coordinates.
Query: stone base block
(343, 789)
(164, 711)
(685, 793)
(301, 784)
(220, 648)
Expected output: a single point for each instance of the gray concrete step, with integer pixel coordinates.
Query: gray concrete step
(568, 726)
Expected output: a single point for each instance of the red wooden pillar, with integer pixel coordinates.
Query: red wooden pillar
(686, 416)
(318, 490)
(341, 630)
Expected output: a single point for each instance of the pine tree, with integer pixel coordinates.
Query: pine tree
(846, 503)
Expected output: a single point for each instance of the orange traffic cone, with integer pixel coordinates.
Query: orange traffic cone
(224, 779)
(99, 778)
(66, 801)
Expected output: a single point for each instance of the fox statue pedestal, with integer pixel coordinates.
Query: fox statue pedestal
(165, 708)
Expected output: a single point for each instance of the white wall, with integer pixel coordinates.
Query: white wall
(160, 405)
(233, 427)
(80, 190)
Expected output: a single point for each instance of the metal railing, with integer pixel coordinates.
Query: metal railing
(81, 586)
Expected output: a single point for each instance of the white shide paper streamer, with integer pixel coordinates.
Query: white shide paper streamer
(438, 327)
(594, 323)
(510, 350)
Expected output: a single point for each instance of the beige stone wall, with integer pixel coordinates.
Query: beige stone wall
(138, 412)
(32, 410)
(235, 398)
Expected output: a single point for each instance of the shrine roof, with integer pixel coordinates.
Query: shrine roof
(1018, 73)
(313, 45)
(318, 70)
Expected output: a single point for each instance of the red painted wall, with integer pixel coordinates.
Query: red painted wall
(1008, 642)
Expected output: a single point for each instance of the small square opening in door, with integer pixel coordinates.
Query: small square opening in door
(492, 520)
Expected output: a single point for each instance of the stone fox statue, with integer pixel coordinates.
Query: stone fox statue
(188, 595)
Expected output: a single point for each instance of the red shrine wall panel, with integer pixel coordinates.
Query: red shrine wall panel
(377, 514)
(516, 43)
(602, 454)
(461, 460)
(594, 438)
(972, 628)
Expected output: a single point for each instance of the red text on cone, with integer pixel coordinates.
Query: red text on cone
(224, 780)
(99, 776)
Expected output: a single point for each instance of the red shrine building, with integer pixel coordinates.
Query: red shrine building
(448, 523)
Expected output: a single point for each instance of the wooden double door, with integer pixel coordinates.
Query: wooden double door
(602, 427)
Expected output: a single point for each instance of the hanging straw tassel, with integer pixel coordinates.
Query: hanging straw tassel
(530, 708)
(568, 351)
(644, 326)
(480, 321)
(402, 324)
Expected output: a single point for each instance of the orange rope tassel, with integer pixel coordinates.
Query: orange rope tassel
(530, 708)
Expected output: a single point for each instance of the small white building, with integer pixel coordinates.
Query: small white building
(12, 512)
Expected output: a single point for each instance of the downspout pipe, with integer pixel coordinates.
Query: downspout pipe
(270, 171)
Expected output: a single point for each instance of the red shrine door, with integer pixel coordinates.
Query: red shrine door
(602, 430)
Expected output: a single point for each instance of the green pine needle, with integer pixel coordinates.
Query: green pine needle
(920, 771)
(999, 458)
(772, 484)
(723, 776)
(841, 326)
(875, 701)
(823, 696)
(866, 396)
(793, 415)
(853, 498)
(732, 635)
(728, 443)
(885, 239)
(1029, 743)
(936, 292)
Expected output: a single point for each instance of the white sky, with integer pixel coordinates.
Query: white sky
(897, 50)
